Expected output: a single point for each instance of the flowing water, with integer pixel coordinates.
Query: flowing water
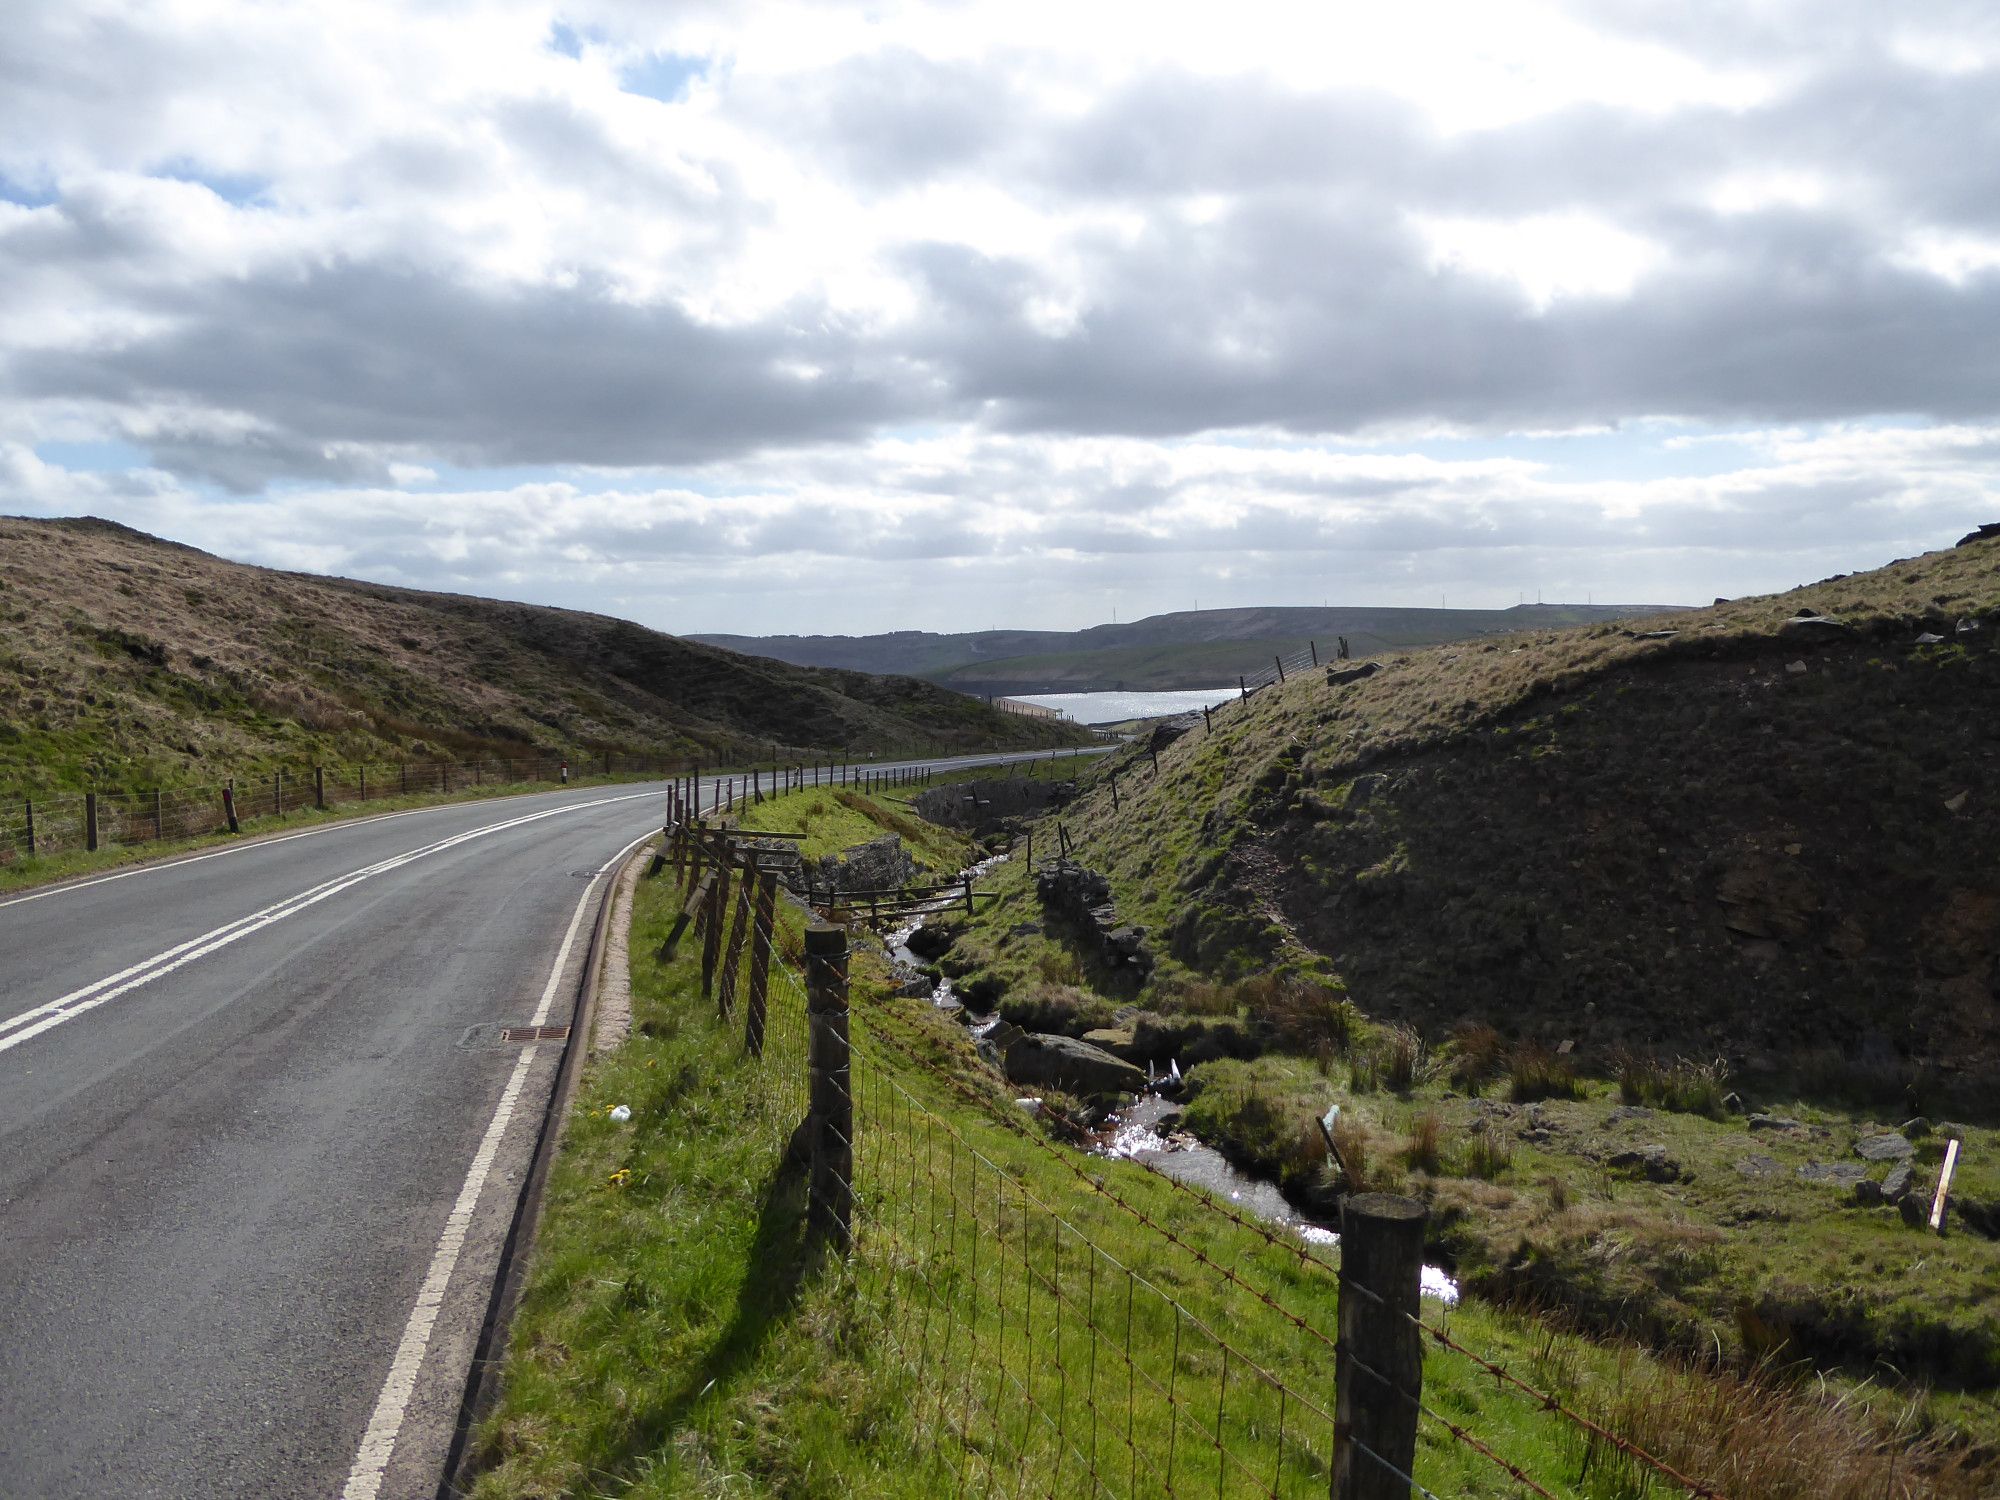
(1146, 1131)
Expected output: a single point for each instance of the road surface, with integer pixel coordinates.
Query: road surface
(261, 1143)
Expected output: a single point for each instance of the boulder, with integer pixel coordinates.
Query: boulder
(1759, 1166)
(1060, 1062)
(1888, 1146)
(1774, 1122)
(1842, 1174)
(1985, 533)
(1652, 1162)
(1117, 1040)
(1867, 1192)
(1816, 627)
(1896, 1186)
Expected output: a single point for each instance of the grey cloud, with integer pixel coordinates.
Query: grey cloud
(364, 354)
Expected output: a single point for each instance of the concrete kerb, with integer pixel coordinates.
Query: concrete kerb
(612, 1003)
(482, 1382)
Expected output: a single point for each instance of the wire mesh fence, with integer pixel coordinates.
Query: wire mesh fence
(1063, 1337)
(36, 825)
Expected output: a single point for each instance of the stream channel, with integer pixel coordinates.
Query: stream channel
(1147, 1129)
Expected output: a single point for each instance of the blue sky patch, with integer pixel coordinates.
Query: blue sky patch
(662, 75)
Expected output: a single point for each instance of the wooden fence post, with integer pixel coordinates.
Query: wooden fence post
(364, 781)
(159, 813)
(278, 793)
(1114, 791)
(830, 1125)
(90, 821)
(760, 961)
(1208, 718)
(319, 787)
(695, 784)
(1242, 686)
(732, 952)
(711, 936)
(1281, 667)
(29, 804)
(1379, 1357)
(1313, 646)
(229, 807)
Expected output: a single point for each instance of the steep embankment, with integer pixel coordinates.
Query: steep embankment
(126, 657)
(1749, 838)
(1188, 649)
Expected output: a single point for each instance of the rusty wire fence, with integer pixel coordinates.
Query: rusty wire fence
(32, 825)
(1064, 1333)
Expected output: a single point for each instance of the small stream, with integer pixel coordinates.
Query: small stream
(1147, 1130)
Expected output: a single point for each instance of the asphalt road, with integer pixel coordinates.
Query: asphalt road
(260, 1143)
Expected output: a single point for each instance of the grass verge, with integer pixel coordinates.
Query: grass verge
(1012, 1314)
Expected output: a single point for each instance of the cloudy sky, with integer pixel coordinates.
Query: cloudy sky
(821, 317)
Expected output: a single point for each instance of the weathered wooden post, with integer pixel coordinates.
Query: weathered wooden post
(278, 793)
(1241, 686)
(1114, 791)
(760, 962)
(363, 773)
(1208, 718)
(711, 936)
(1379, 1357)
(1154, 751)
(159, 813)
(968, 895)
(830, 1123)
(732, 953)
(319, 787)
(1281, 667)
(229, 806)
(695, 783)
(29, 804)
(90, 821)
(1313, 646)
(444, 777)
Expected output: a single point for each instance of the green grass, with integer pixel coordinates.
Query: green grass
(835, 819)
(679, 1336)
(24, 872)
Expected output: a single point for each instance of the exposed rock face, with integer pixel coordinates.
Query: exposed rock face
(1816, 627)
(1984, 534)
(1083, 897)
(1039, 1060)
(878, 865)
(982, 806)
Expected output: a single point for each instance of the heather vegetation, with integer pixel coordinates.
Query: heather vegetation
(1660, 958)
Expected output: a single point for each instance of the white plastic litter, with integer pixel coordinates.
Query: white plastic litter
(621, 1113)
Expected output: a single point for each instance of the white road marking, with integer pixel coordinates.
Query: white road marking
(32, 1022)
(153, 866)
(378, 1443)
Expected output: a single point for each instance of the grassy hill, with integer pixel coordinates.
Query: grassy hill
(124, 658)
(1615, 943)
(1189, 649)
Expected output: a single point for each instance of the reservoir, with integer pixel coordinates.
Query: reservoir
(1112, 708)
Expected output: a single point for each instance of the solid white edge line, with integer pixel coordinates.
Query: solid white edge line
(154, 866)
(32, 1022)
(385, 1424)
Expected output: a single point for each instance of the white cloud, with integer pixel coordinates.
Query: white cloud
(1165, 289)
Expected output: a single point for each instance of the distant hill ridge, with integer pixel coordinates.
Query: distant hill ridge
(1183, 649)
(126, 658)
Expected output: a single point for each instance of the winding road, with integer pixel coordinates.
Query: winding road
(262, 1142)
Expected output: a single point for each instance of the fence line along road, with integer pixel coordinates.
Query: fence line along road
(1047, 1363)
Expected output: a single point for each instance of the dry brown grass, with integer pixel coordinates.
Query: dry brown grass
(1756, 1435)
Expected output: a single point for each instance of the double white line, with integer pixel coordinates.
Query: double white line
(29, 1024)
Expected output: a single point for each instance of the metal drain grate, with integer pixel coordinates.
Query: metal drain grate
(534, 1033)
